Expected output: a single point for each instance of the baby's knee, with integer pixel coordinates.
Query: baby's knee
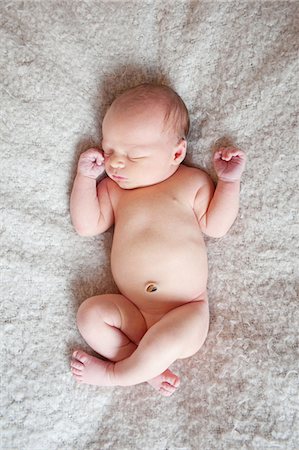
(87, 311)
(198, 333)
(193, 347)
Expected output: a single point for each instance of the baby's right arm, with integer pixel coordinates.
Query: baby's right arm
(91, 209)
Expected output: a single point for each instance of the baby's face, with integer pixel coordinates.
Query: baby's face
(137, 151)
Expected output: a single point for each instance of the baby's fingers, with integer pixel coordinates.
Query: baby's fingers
(224, 154)
(94, 155)
(99, 159)
(227, 153)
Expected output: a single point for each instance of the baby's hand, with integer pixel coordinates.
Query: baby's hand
(229, 163)
(91, 163)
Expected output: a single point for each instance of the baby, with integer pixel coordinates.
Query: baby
(160, 208)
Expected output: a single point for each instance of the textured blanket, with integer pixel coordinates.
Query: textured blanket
(235, 65)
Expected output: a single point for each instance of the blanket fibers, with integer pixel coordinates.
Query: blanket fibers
(235, 65)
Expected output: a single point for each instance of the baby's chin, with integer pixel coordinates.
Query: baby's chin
(124, 184)
(133, 184)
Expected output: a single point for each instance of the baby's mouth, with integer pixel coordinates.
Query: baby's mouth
(118, 177)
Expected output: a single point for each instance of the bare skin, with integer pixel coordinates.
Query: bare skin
(160, 208)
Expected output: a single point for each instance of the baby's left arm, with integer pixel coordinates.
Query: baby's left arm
(223, 208)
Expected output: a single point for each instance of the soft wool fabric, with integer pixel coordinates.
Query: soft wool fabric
(235, 65)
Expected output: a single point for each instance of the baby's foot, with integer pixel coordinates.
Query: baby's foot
(90, 370)
(166, 383)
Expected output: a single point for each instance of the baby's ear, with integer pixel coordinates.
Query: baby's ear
(180, 151)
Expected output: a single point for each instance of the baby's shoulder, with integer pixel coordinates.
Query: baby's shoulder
(190, 181)
(194, 176)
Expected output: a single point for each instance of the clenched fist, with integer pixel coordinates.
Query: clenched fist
(229, 163)
(91, 163)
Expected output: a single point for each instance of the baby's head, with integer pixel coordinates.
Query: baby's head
(144, 136)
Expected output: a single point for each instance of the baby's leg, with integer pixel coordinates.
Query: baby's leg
(179, 334)
(113, 326)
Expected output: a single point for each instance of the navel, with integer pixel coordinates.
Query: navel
(151, 287)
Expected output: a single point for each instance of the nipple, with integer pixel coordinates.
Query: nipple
(151, 287)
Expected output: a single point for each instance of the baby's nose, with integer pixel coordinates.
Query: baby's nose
(117, 162)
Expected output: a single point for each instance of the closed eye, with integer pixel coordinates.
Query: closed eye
(137, 158)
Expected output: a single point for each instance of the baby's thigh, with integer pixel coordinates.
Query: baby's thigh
(116, 311)
(184, 329)
(198, 328)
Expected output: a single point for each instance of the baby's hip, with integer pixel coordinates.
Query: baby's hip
(152, 316)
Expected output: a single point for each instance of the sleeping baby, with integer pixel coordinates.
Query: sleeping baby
(159, 208)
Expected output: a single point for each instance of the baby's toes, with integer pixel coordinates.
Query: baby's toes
(171, 378)
(77, 372)
(77, 369)
(81, 356)
(176, 382)
(75, 364)
(78, 378)
(167, 389)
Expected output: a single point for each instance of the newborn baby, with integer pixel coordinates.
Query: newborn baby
(160, 208)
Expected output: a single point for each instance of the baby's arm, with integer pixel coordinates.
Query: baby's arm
(90, 206)
(223, 207)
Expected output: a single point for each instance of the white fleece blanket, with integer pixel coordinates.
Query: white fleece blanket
(235, 65)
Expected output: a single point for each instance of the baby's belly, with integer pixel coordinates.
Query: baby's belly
(158, 275)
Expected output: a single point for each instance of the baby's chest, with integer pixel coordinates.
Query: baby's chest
(153, 208)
